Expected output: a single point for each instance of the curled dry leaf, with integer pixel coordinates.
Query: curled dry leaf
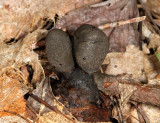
(21, 53)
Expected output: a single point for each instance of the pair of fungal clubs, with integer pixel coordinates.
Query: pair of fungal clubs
(87, 49)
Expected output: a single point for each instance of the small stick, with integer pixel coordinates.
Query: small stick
(120, 23)
(140, 35)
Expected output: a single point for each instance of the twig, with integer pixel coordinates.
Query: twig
(140, 35)
(120, 23)
(149, 15)
(14, 113)
(49, 106)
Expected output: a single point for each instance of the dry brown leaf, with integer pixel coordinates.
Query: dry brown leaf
(154, 41)
(153, 7)
(145, 48)
(125, 93)
(149, 109)
(22, 53)
(51, 117)
(18, 106)
(132, 58)
(149, 33)
(19, 17)
(147, 30)
(10, 88)
(12, 112)
(134, 62)
(126, 112)
(133, 114)
(12, 119)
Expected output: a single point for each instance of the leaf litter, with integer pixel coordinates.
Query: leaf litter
(124, 57)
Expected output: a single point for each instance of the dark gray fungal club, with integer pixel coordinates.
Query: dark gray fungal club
(59, 50)
(90, 47)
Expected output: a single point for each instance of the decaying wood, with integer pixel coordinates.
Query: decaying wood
(147, 95)
(144, 94)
